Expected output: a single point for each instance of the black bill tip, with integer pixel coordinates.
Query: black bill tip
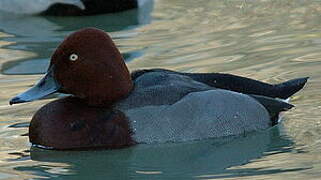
(16, 100)
(45, 87)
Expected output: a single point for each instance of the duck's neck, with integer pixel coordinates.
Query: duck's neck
(108, 100)
(115, 88)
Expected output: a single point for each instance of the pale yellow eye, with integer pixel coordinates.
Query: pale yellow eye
(73, 57)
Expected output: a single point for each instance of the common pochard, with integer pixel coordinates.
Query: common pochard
(111, 108)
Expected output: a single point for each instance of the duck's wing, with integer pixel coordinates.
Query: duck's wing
(240, 84)
(160, 88)
(163, 87)
(250, 86)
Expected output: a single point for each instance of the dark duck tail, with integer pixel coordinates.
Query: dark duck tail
(287, 89)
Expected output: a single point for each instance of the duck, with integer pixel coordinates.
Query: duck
(69, 7)
(109, 107)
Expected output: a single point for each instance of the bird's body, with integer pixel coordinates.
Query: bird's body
(111, 108)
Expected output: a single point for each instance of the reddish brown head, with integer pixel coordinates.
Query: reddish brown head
(88, 65)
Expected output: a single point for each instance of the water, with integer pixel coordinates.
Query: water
(271, 40)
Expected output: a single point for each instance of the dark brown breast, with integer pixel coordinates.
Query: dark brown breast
(69, 123)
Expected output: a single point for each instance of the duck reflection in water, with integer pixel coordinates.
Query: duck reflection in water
(207, 157)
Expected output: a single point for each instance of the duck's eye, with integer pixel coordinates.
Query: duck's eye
(73, 57)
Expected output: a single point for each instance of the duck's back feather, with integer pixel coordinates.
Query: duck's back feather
(239, 84)
(160, 88)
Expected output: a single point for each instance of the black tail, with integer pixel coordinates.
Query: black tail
(273, 106)
(288, 88)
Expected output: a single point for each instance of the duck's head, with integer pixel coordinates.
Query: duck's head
(86, 64)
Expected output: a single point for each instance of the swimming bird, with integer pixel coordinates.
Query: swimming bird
(68, 7)
(112, 108)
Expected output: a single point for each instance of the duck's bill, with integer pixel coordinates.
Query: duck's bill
(46, 86)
